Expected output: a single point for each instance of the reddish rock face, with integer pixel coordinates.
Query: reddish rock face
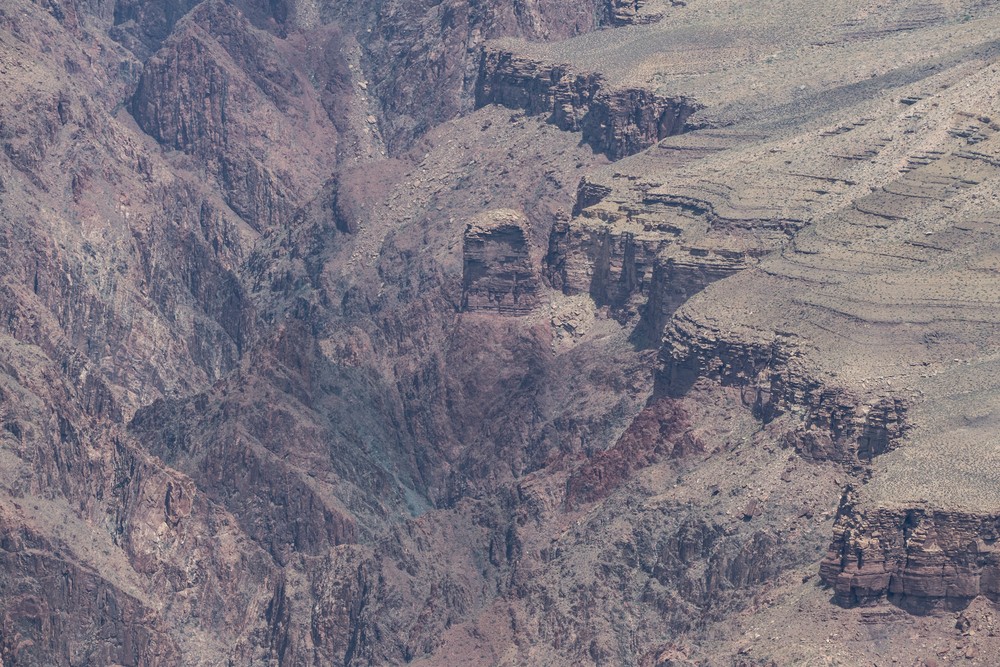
(341, 333)
(499, 272)
(659, 432)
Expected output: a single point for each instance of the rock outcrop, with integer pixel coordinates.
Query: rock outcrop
(919, 558)
(614, 122)
(221, 91)
(595, 257)
(660, 431)
(57, 610)
(627, 12)
(679, 276)
(422, 59)
(499, 272)
(643, 254)
(824, 421)
(276, 385)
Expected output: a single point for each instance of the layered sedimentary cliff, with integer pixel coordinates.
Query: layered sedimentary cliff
(422, 59)
(499, 272)
(638, 254)
(616, 122)
(826, 422)
(919, 558)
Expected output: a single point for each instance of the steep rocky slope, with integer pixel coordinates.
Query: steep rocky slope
(611, 333)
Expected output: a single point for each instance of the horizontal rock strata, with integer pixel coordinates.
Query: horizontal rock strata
(919, 558)
(641, 254)
(829, 422)
(498, 271)
(614, 122)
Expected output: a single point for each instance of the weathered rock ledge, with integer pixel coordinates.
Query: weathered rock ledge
(616, 122)
(626, 12)
(641, 254)
(828, 422)
(919, 558)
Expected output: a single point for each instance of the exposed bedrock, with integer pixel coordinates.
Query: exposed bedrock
(614, 122)
(176, 271)
(499, 271)
(821, 421)
(222, 91)
(918, 557)
(278, 505)
(685, 570)
(58, 611)
(639, 255)
(609, 264)
(680, 564)
(627, 12)
(676, 279)
(660, 431)
(422, 58)
(634, 272)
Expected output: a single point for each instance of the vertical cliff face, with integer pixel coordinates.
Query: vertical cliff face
(675, 279)
(537, 88)
(827, 422)
(614, 122)
(499, 270)
(642, 255)
(919, 558)
(612, 265)
(423, 59)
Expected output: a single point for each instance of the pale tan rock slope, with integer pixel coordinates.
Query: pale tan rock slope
(835, 195)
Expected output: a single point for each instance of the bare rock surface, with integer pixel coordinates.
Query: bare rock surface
(545, 333)
(616, 122)
(500, 270)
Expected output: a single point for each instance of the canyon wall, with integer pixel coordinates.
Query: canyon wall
(919, 558)
(614, 122)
